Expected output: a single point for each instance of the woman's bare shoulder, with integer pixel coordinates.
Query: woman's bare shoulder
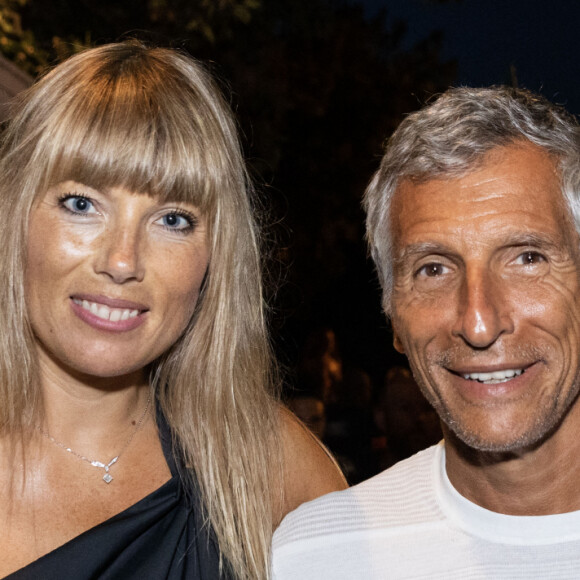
(309, 470)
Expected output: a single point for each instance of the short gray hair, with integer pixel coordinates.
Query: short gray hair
(450, 137)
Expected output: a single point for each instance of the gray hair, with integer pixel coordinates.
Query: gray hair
(450, 137)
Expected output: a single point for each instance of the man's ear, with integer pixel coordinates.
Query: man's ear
(397, 343)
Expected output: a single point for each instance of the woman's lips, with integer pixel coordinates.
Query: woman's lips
(108, 314)
(108, 301)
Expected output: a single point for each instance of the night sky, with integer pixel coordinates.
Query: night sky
(538, 37)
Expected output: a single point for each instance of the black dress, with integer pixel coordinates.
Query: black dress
(160, 537)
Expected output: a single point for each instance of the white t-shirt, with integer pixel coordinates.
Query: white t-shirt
(409, 522)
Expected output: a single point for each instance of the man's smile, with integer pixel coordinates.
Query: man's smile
(494, 377)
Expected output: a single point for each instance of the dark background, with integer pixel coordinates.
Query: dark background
(317, 86)
(539, 38)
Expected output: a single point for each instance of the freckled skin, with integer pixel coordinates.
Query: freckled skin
(120, 250)
(487, 276)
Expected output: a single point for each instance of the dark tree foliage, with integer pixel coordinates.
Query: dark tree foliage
(317, 88)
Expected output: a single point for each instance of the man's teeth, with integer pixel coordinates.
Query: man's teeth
(495, 377)
(106, 313)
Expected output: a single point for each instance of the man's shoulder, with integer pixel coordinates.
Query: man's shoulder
(402, 495)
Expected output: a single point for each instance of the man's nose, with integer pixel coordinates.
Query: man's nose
(483, 314)
(120, 255)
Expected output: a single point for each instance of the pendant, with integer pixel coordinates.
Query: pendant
(107, 478)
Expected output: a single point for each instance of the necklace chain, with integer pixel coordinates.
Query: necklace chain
(107, 478)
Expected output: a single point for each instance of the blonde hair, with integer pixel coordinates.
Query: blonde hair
(153, 121)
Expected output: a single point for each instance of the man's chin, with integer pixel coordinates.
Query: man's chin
(502, 445)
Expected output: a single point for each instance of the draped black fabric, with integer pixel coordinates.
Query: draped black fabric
(160, 537)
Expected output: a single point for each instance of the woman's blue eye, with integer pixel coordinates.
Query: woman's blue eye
(78, 204)
(176, 221)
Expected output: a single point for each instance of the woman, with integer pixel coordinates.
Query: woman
(140, 435)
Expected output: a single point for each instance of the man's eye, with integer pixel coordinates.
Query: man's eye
(77, 204)
(530, 258)
(432, 270)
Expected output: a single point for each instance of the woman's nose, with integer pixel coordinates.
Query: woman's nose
(120, 254)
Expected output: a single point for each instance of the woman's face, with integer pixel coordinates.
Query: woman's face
(112, 277)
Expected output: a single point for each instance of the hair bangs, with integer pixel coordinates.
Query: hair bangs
(122, 130)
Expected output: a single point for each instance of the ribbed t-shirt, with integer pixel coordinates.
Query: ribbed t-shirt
(409, 522)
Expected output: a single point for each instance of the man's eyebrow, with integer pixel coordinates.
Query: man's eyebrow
(533, 239)
(420, 249)
(515, 240)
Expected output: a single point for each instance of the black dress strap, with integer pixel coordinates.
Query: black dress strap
(167, 446)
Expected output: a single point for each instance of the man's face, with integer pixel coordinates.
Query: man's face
(486, 299)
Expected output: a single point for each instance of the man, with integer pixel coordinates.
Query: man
(473, 224)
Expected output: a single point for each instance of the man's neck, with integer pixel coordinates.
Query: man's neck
(537, 481)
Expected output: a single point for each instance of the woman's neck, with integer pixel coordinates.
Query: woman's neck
(92, 412)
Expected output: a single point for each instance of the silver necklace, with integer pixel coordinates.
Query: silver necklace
(107, 478)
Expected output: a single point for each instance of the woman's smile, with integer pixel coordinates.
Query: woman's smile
(108, 314)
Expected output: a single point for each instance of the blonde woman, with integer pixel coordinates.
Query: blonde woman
(140, 432)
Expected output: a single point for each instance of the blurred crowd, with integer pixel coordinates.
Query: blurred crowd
(367, 427)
